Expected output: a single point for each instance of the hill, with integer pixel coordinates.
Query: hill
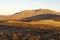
(28, 13)
(41, 18)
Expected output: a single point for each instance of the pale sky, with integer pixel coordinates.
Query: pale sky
(8, 7)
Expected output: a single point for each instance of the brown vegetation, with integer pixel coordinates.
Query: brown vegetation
(40, 35)
(42, 24)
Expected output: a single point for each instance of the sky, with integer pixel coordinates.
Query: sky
(9, 7)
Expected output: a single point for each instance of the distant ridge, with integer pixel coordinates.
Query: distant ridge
(28, 13)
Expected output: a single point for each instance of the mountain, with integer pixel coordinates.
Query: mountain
(28, 13)
(41, 18)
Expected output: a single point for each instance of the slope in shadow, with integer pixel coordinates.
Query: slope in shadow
(42, 17)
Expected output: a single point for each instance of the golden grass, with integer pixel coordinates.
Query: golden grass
(42, 24)
(48, 22)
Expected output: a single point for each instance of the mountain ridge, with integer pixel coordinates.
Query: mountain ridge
(28, 13)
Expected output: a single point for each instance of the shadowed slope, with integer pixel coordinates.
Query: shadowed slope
(44, 16)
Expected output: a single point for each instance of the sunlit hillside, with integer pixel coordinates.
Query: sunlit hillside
(40, 18)
(50, 22)
(28, 13)
(42, 24)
